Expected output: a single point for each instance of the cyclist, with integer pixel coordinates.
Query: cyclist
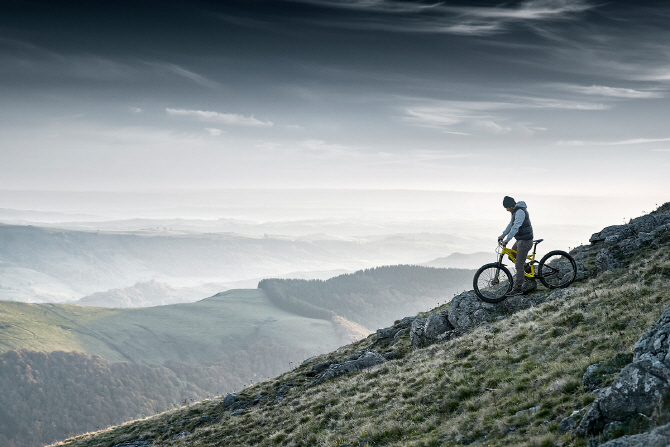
(520, 229)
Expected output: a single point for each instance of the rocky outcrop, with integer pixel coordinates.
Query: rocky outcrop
(659, 437)
(435, 328)
(393, 333)
(355, 362)
(618, 242)
(639, 386)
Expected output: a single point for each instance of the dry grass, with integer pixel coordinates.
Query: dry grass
(509, 383)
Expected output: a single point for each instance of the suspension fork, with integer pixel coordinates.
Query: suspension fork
(497, 276)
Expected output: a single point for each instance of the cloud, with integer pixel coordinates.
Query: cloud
(232, 119)
(613, 92)
(214, 131)
(615, 143)
(135, 110)
(184, 73)
(438, 17)
(486, 116)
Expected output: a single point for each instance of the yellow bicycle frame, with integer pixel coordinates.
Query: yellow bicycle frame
(511, 254)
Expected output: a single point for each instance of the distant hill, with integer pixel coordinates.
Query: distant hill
(373, 297)
(145, 359)
(462, 261)
(142, 294)
(55, 265)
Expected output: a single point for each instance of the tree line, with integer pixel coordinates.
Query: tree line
(373, 297)
(47, 397)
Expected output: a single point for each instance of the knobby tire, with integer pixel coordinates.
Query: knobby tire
(485, 285)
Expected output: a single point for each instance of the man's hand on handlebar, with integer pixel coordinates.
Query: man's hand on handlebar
(501, 241)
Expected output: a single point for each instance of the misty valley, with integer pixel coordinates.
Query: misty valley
(101, 327)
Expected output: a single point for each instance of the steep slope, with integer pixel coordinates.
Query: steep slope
(512, 381)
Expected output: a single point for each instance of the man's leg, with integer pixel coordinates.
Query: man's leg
(522, 248)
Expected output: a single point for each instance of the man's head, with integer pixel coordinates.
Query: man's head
(509, 203)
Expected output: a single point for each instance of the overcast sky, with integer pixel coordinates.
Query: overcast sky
(556, 96)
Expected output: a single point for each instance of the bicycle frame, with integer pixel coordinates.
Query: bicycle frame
(511, 254)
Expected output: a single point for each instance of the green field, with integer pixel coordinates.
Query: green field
(198, 332)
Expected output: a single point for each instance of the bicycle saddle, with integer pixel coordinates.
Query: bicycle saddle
(538, 241)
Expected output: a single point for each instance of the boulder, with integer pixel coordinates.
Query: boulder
(612, 234)
(606, 260)
(467, 311)
(655, 343)
(366, 360)
(639, 386)
(390, 334)
(229, 400)
(659, 437)
(427, 331)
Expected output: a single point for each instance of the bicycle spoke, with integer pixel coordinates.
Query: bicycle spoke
(558, 270)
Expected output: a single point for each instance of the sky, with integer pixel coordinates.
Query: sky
(562, 97)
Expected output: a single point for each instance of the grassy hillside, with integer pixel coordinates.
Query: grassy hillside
(194, 333)
(124, 363)
(506, 383)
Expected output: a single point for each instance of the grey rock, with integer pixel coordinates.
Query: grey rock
(181, 435)
(356, 355)
(605, 260)
(229, 400)
(369, 359)
(427, 331)
(637, 389)
(630, 245)
(416, 333)
(399, 335)
(655, 343)
(590, 380)
(238, 412)
(405, 322)
(582, 272)
(437, 324)
(646, 223)
(659, 437)
(567, 424)
(321, 367)
(467, 311)
(388, 332)
(612, 234)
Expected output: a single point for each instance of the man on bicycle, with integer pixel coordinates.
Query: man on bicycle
(520, 229)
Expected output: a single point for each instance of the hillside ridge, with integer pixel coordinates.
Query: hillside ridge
(478, 388)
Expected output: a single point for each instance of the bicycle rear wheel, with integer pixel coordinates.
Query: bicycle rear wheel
(492, 282)
(557, 270)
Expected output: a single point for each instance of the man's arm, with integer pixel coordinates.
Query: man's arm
(509, 227)
(518, 220)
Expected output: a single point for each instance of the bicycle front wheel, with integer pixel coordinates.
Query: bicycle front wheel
(492, 282)
(557, 270)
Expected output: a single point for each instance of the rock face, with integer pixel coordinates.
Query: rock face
(426, 331)
(659, 437)
(620, 241)
(639, 386)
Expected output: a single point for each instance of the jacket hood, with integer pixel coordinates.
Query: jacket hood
(521, 205)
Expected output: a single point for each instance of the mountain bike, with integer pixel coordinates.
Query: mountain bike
(556, 270)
